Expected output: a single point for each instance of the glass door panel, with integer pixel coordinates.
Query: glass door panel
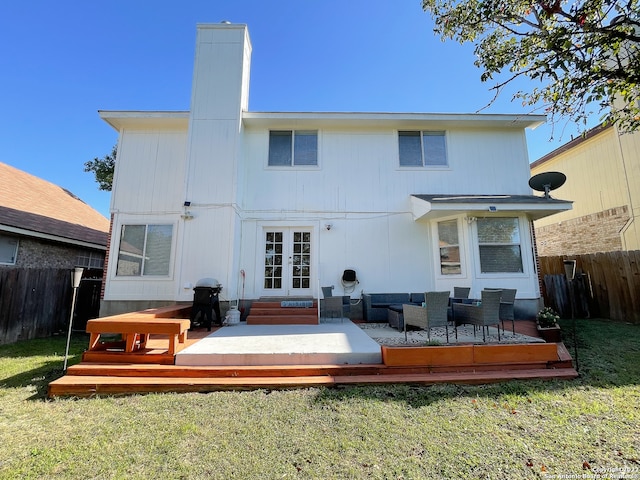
(287, 262)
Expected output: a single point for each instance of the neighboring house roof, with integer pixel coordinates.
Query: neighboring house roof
(448, 204)
(32, 206)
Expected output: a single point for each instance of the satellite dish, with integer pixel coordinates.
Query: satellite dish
(547, 181)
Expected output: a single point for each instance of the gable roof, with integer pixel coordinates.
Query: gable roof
(32, 206)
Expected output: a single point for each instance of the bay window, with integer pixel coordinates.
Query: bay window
(499, 244)
(449, 248)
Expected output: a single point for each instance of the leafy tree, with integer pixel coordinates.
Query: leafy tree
(584, 53)
(103, 169)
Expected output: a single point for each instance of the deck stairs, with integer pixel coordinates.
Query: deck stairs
(273, 313)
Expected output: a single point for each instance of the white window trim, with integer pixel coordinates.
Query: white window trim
(15, 256)
(462, 246)
(113, 260)
(524, 249)
(293, 167)
(423, 167)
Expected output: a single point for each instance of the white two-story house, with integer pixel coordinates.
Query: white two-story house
(275, 204)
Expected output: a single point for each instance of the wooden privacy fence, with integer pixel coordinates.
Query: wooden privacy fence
(607, 285)
(34, 302)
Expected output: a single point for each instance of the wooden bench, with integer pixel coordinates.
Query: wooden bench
(136, 327)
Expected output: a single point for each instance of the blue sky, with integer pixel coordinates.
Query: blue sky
(62, 61)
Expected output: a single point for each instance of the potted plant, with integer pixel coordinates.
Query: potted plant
(547, 323)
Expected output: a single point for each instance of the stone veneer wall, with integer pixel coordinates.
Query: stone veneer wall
(34, 253)
(597, 232)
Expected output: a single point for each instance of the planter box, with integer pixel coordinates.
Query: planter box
(550, 334)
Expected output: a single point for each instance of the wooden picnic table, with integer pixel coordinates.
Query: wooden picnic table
(136, 328)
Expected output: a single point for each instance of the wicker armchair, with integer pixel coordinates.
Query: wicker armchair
(433, 315)
(483, 315)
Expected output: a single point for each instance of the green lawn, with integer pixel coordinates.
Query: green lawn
(513, 430)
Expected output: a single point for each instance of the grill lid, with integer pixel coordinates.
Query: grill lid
(208, 282)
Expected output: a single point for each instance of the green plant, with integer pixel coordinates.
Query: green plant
(547, 317)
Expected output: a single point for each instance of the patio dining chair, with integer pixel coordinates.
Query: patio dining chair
(483, 315)
(332, 307)
(461, 292)
(434, 314)
(327, 292)
(459, 295)
(507, 301)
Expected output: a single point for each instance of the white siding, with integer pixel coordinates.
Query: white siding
(150, 172)
(358, 187)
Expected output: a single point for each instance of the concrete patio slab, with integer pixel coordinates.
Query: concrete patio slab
(334, 343)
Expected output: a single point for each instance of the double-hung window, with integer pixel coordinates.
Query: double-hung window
(289, 148)
(499, 243)
(449, 248)
(144, 250)
(422, 149)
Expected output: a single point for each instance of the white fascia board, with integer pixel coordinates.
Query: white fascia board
(396, 120)
(53, 238)
(156, 120)
(535, 211)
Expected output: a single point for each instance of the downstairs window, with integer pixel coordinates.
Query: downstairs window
(499, 243)
(144, 250)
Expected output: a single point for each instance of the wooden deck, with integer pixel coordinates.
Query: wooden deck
(152, 369)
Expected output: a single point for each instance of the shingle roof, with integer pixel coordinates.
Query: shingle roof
(31, 203)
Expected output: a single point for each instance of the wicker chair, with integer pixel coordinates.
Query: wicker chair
(461, 292)
(483, 315)
(507, 300)
(433, 315)
(332, 307)
(327, 292)
(459, 295)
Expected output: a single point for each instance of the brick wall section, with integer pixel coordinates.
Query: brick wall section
(536, 255)
(597, 232)
(106, 259)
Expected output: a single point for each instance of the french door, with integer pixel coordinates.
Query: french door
(287, 261)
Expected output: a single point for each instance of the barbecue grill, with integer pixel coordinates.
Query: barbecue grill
(206, 302)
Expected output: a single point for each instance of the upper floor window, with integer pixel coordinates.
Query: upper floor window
(293, 148)
(499, 242)
(422, 149)
(8, 249)
(449, 248)
(144, 250)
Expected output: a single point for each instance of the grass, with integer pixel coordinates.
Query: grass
(515, 430)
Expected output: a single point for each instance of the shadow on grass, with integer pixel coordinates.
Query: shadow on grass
(41, 361)
(608, 357)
